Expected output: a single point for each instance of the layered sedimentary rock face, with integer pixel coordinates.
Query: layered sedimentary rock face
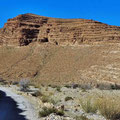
(27, 28)
(64, 59)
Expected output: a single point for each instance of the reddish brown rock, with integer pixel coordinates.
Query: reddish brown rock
(28, 28)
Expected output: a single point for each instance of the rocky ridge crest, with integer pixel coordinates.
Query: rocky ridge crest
(27, 28)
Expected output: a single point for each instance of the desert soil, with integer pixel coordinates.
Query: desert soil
(47, 64)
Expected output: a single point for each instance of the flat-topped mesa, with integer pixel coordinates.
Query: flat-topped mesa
(27, 28)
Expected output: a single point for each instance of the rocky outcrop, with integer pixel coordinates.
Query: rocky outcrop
(27, 28)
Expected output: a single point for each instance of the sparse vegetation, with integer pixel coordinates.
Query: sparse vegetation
(84, 90)
(115, 86)
(24, 85)
(46, 99)
(58, 88)
(47, 111)
(85, 86)
(15, 83)
(104, 86)
(108, 86)
(80, 66)
(67, 86)
(109, 107)
(37, 93)
(68, 98)
(82, 117)
(87, 105)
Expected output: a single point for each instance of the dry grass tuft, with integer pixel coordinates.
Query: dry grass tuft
(87, 105)
(109, 107)
(47, 99)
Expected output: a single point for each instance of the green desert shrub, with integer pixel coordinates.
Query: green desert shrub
(47, 111)
(82, 117)
(58, 88)
(37, 94)
(68, 98)
(46, 99)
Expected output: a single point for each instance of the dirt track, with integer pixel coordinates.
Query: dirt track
(15, 107)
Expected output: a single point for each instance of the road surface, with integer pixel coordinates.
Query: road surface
(15, 107)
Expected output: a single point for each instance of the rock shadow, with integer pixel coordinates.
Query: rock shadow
(9, 109)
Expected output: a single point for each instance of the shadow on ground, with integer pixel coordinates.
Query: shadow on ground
(9, 109)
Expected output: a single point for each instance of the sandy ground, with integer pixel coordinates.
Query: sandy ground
(23, 104)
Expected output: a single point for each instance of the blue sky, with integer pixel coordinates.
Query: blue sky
(106, 11)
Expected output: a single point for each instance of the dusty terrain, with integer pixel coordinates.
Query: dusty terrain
(51, 51)
(72, 102)
(61, 64)
(73, 63)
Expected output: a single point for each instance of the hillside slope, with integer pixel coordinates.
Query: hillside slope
(48, 50)
(50, 64)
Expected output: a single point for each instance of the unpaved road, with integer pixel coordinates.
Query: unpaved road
(15, 107)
